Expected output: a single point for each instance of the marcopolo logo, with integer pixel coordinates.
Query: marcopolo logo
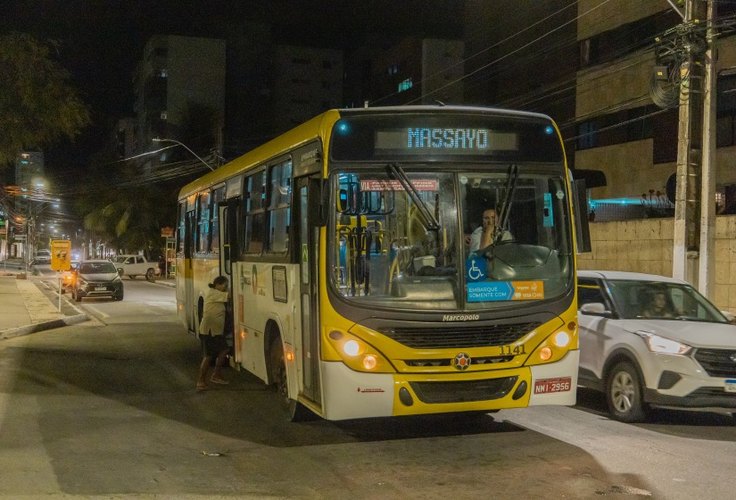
(461, 317)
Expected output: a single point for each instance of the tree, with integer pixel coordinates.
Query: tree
(38, 105)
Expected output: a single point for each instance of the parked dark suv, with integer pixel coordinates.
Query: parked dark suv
(97, 278)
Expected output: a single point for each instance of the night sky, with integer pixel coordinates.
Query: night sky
(100, 41)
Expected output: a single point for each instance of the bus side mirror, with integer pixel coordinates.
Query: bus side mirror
(316, 200)
(580, 206)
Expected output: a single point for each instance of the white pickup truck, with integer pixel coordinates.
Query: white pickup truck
(136, 265)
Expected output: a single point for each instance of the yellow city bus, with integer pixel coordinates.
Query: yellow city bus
(356, 291)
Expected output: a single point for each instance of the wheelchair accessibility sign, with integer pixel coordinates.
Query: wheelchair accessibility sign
(475, 269)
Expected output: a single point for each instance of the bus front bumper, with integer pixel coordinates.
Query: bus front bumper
(349, 394)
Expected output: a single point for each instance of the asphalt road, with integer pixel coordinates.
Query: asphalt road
(108, 409)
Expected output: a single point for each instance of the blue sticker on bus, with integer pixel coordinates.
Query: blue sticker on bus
(489, 291)
(547, 217)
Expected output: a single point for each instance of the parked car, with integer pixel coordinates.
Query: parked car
(137, 265)
(42, 256)
(653, 341)
(97, 278)
(68, 277)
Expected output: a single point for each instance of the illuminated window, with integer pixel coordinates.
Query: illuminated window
(406, 85)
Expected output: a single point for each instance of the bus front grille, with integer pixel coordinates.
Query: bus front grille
(460, 336)
(461, 392)
(481, 360)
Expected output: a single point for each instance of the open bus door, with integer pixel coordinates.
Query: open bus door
(309, 194)
(228, 221)
(187, 273)
(228, 213)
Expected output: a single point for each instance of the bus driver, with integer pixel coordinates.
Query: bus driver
(482, 237)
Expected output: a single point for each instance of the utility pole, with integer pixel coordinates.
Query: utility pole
(706, 270)
(686, 245)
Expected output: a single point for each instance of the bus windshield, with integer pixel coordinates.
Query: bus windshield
(450, 237)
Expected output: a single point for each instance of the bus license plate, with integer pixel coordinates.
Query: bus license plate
(730, 385)
(549, 385)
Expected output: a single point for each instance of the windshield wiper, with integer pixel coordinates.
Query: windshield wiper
(429, 219)
(505, 208)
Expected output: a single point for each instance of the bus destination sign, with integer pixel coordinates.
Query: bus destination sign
(447, 140)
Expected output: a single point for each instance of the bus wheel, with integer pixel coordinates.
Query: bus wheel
(294, 411)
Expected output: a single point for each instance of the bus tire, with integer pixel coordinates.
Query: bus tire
(293, 410)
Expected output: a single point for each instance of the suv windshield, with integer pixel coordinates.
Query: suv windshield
(97, 268)
(449, 240)
(660, 300)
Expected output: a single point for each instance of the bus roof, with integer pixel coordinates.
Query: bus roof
(319, 126)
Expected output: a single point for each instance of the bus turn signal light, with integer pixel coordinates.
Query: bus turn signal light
(545, 353)
(369, 362)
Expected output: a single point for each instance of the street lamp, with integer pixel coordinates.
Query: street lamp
(157, 139)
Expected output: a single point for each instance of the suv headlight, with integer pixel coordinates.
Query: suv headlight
(661, 345)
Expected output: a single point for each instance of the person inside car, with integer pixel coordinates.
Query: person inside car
(658, 307)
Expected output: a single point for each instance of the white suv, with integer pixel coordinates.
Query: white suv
(650, 340)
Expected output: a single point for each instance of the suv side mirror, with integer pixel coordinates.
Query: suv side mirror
(596, 309)
(120, 271)
(729, 316)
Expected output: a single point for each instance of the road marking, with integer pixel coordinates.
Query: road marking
(97, 311)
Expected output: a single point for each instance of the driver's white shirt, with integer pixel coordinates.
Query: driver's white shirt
(476, 235)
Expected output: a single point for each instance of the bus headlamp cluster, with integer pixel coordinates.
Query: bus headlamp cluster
(358, 354)
(556, 345)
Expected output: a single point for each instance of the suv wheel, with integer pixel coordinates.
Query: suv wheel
(624, 393)
(76, 296)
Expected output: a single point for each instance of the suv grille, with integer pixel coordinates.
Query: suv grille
(457, 392)
(717, 362)
(460, 336)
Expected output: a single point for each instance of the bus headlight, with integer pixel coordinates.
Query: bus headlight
(561, 339)
(357, 354)
(351, 348)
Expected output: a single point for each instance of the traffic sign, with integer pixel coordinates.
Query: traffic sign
(61, 255)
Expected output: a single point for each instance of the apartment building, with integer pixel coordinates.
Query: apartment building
(408, 70)
(620, 129)
(178, 80)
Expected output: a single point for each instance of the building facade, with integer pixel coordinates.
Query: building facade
(621, 130)
(179, 83)
(405, 71)
(305, 81)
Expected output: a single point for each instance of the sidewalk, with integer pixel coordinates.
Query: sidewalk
(25, 308)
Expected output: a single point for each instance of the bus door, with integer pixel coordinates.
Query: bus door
(190, 241)
(228, 235)
(228, 221)
(307, 251)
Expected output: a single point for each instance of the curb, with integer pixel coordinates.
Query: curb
(38, 327)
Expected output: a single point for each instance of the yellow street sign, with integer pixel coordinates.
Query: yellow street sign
(61, 255)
